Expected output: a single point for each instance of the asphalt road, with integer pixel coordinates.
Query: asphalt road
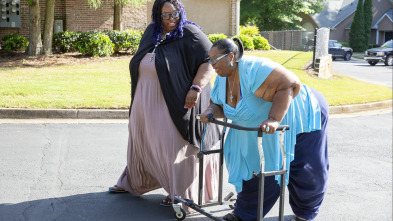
(60, 170)
(361, 70)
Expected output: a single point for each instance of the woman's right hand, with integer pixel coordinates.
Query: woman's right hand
(203, 116)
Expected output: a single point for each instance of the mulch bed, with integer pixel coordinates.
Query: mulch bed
(21, 59)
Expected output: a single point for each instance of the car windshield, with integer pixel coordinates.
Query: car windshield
(337, 45)
(388, 44)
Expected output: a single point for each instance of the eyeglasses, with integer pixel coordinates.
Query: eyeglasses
(215, 60)
(167, 16)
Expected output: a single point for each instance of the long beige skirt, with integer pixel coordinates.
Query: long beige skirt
(158, 156)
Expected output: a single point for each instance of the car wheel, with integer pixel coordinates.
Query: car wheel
(389, 60)
(372, 63)
(347, 56)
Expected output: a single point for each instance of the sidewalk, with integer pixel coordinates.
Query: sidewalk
(19, 113)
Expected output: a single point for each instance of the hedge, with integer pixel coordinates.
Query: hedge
(14, 42)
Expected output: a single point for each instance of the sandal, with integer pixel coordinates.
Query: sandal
(116, 189)
(231, 217)
(168, 201)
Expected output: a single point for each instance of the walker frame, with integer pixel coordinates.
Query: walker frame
(180, 214)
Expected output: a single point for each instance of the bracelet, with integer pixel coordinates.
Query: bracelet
(196, 87)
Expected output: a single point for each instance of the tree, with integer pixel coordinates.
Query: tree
(356, 34)
(277, 14)
(118, 9)
(368, 20)
(117, 12)
(48, 26)
(35, 42)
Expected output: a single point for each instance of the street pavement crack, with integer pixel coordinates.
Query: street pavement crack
(42, 172)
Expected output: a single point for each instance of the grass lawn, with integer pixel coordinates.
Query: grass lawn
(92, 85)
(106, 84)
(338, 90)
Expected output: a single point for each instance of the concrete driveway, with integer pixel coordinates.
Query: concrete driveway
(361, 70)
(61, 170)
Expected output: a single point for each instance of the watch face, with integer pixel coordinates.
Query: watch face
(13, 2)
(3, 2)
(13, 9)
(3, 9)
(4, 17)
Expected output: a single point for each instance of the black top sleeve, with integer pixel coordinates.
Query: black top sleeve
(177, 62)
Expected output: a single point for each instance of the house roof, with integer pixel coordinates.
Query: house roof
(388, 14)
(335, 12)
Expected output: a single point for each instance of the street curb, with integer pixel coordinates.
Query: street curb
(344, 109)
(19, 113)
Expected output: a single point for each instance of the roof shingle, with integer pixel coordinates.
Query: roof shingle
(335, 12)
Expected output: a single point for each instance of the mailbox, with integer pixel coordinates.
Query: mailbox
(10, 14)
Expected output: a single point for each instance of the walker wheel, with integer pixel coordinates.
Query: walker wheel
(232, 203)
(181, 215)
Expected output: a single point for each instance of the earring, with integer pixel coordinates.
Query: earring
(231, 64)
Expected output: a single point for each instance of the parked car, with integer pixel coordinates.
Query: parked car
(383, 53)
(337, 50)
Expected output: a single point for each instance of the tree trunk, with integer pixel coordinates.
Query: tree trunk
(35, 44)
(48, 26)
(117, 12)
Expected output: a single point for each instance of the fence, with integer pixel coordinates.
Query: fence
(296, 40)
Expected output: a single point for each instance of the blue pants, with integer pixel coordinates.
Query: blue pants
(307, 178)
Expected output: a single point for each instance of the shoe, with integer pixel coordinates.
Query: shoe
(116, 189)
(231, 217)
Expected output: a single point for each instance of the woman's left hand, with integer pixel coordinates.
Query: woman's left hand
(269, 126)
(191, 98)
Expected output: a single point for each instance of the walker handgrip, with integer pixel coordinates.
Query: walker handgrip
(213, 120)
(283, 127)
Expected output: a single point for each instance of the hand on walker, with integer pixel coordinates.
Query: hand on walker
(269, 126)
(203, 116)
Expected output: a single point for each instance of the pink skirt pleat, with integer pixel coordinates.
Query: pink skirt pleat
(157, 155)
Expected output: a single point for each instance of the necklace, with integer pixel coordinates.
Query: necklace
(230, 88)
(230, 91)
(155, 46)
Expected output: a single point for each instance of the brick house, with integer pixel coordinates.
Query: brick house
(76, 15)
(338, 16)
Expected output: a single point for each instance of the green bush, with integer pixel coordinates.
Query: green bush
(261, 43)
(94, 43)
(215, 37)
(133, 39)
(65, 41)
(14, 42)
(125, 40)
(257, 41)
(117, 38)
(249, 30)
(247, 41)
(373, 46)
(345, 44)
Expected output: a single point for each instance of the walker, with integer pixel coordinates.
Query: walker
(180, 213)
